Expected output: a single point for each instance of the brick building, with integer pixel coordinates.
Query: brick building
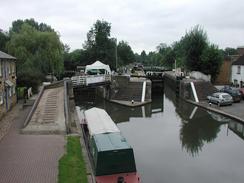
(225, 74)
(8, 96)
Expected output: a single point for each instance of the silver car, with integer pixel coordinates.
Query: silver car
(220, 98)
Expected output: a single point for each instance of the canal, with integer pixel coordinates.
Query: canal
(176, 142)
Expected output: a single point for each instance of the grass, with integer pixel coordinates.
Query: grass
(71, 165)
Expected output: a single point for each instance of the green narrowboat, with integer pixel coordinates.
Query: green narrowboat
(111, 154)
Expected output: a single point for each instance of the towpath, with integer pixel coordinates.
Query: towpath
(27, 158)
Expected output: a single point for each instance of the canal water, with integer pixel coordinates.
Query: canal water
(176, 142)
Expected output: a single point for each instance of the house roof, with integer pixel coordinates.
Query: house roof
(239, 61)
(6, 56)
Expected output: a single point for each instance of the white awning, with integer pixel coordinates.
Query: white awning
(99, 121)
(98, 65)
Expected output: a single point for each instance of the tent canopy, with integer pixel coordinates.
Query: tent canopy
(98, 66)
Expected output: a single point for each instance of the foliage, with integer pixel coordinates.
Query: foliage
(17, 26)
(193, 44)
(211, 60)
(4, 38)
(230, 51)
(71, 165)
(39, 52)
(99, 45)
(125, 53)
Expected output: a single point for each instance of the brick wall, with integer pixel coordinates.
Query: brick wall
(225, 73)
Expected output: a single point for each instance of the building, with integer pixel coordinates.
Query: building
(8, 96)
(237, 70)
(225, 75)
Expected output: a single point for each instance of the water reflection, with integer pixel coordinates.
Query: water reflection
(120, 113)
(198, 126)
(237, 128)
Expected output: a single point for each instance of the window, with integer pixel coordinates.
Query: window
(1, 98)
(238, 69)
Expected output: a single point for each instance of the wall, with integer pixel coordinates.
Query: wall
(225, 73)
(129, 88)
(6, 66)
(238, 77)
(200, 76)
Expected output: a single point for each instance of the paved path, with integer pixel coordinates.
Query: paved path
(28, 158)
(48, 117)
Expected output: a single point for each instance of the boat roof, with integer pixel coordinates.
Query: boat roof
(98, 121)
(110, 142)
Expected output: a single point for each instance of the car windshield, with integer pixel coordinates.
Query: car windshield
(226, 96)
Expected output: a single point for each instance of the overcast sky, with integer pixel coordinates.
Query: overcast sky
(143, 24)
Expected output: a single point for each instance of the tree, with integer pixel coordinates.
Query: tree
(230, 51)
(125, 53)
(143, 57)
(99, 45)
(193, 43)
(17, 26)
(211, 60)
(4, 38)
(39, 52)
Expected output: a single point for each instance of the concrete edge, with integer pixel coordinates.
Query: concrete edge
(129, 104)
(216, 111)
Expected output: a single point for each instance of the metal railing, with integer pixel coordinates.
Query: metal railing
(89, 79)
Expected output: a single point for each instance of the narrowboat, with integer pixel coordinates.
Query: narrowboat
(112, 158)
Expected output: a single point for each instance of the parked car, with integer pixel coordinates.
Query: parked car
(241, 90)
(236, 95)
(220, 98)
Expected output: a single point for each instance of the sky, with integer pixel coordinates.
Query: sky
(144, 24)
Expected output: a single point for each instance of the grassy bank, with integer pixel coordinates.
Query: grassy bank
(71, 165)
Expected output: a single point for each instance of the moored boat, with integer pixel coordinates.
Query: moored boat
(111, 156)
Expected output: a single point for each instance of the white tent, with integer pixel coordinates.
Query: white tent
(99, 121)
(98, 65)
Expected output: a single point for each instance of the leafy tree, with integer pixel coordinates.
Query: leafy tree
(230, 51)
(195, 52)
(125, 53)
(39, 52)
(17, 26)
(99, 45)
(211, 59)
(4, 38)
(193, 43)
(143, 57)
